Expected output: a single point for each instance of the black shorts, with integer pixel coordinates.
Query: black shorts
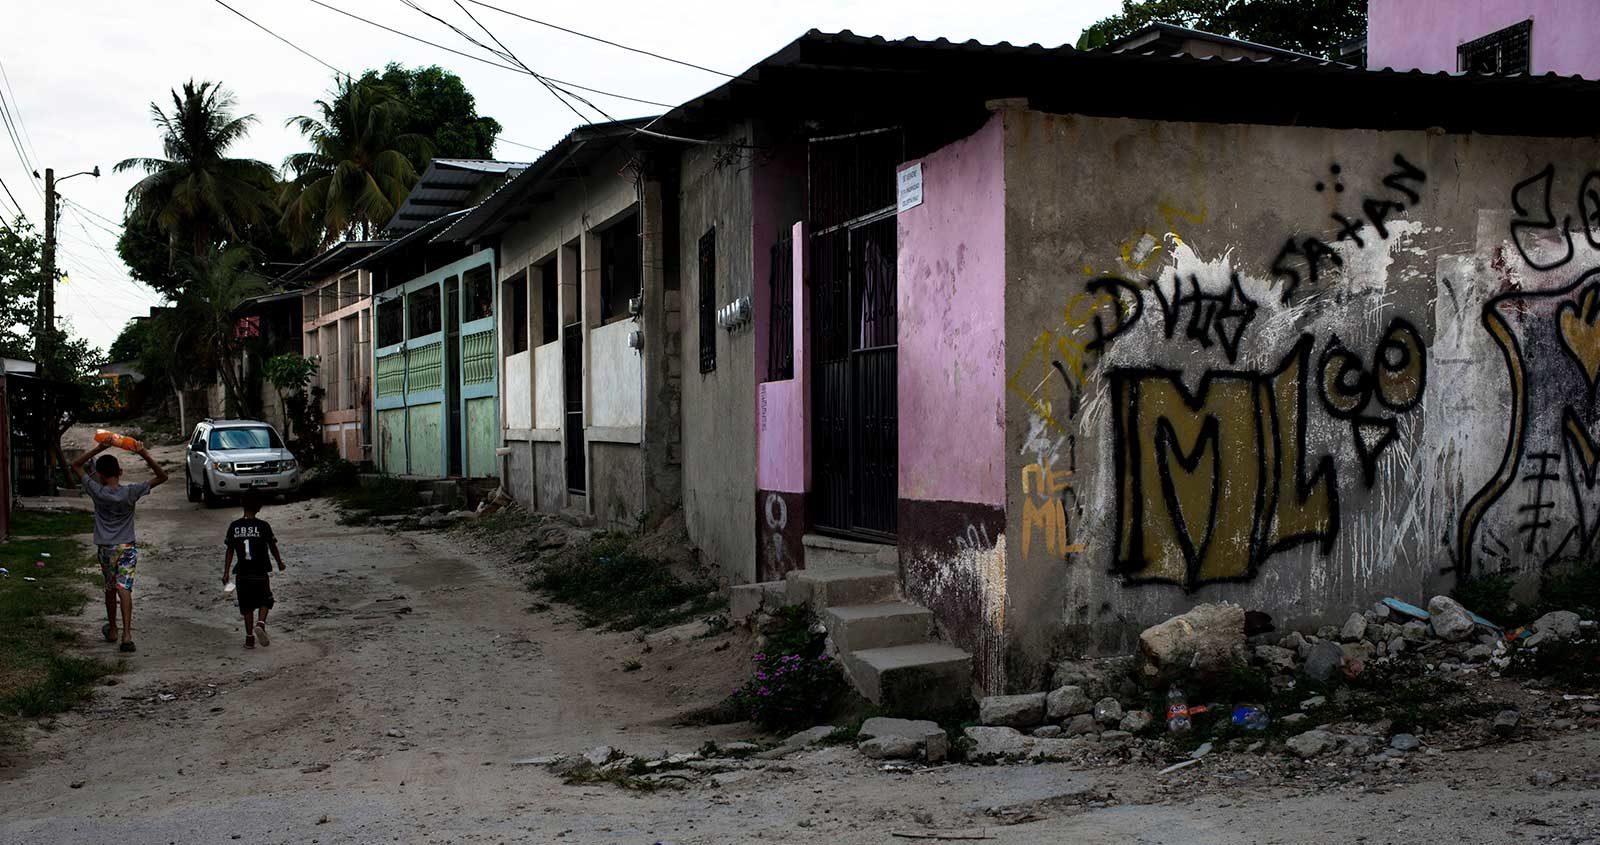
(254, 591)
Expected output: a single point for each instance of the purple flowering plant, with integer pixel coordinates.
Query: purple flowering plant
(794, 684)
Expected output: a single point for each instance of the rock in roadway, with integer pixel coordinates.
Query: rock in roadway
(1012, 711)
(1201, 643)
(1135, 721)
(927, 735)
(1354, 628)
(1560, 624)
(1506, 723)
(989, 744)
(1311, 743)
(1449, 619)
(1067, 701)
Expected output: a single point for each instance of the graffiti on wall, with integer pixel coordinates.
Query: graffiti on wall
(1543, 495)
(1309, 260)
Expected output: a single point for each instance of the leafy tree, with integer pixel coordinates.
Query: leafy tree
(1315, 27)
(290, 374)
(203, 328)
(20, 271)
(441, 109)
(359, 168)
(197, 196)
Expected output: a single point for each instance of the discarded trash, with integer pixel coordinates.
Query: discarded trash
(1410, 610)
(1203, 750)
(1176, 766)
(44, 554)
(29, 578)
(229, 587)
(1251, 718)
(1177, 711)
(1482, 621)
(38, 564)
(4, 572)
(166, 696)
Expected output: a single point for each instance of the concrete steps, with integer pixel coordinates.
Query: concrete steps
(869, 626)
(824, 552)
(920, 678)
(844, 585)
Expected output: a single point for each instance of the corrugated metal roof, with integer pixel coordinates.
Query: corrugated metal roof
(420, 234)
(507, 203)
(943, 75)
(449, 184)
(330, 261)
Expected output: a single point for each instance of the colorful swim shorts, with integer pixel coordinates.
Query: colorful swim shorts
(117, 564)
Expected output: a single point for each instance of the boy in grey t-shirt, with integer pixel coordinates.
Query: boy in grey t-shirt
(113, 531)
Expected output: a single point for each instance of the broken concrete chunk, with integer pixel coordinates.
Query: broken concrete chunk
(996, 743)
(809, 736)
(1067, 701)
(924, 734)
(1404, 742)
(1506, 722)
(889, 747)
(601, 755)
(1311, 743)
(1276, 657)
(1450, 621)
(1200, 643)
(1018, 711)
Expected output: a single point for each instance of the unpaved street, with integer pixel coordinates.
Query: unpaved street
(406, 676)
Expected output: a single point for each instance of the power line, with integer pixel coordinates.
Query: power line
(20, 212)
(16, 144)
(297, 47)
(467, 55)
(601, 40)
(16, 106)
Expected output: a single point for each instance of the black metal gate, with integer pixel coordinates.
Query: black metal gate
(41, 410)
(572, 363)
(855, 430)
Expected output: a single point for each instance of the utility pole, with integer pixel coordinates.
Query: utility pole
(45, 347)
(47, 285)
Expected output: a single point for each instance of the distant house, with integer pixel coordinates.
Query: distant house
(336, 328)
(1165, 39)
(435, 355)
(1527, 37)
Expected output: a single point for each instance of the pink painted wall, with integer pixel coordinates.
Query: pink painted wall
(782, 425)
(1424, 34)
(952, 326)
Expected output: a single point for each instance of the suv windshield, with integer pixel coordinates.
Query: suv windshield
(255, 437)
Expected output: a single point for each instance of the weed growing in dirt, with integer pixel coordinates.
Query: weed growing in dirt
(383, 496)
(35, 678)
(1490, 597)
(618, 588)
(1572, 664)
(795, 684)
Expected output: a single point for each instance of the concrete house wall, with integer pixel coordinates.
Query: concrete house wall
(1299, 369)
(718, 410)
(565, 230)
(337, 326)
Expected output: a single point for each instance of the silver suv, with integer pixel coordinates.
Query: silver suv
(229, 457)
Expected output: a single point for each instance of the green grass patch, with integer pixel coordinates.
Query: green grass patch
(620, 589)
(383, 496)
(51, 523)
(36, 679)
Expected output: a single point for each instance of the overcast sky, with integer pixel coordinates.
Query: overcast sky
(83, 73)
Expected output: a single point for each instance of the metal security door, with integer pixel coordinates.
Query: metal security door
(572, 365)
(853, 277)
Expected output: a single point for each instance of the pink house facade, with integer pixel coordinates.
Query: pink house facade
(1559, 36)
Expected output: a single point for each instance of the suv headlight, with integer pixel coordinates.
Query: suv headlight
(222, 466)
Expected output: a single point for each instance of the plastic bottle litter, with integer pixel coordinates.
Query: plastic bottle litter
(4, 572)
(117, 440)
(229, 587)
(1251, 718)
(1177, 711)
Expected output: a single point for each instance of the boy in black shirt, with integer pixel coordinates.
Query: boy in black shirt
(251, 539)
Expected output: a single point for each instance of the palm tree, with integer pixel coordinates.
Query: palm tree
(206, 330)
(358, 170)
(197, 192)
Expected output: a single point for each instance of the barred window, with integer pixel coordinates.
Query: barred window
(1503, 52)
(708, 300)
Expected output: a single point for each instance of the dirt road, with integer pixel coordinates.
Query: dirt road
(406, 676)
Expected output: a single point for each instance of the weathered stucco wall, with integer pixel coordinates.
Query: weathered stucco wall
(614, 384)
(783, 442)
(1297, 369)
(951, 386)
(614, 485)
(718, 406)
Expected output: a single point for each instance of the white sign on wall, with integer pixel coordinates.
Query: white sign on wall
(911, 187)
